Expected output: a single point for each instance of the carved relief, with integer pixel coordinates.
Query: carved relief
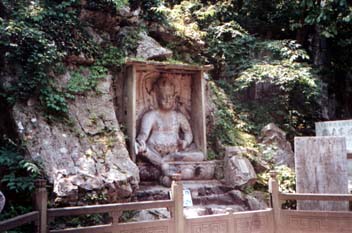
(253, 224)
(317, 224)
(210, 227)
(165, 133)
(146, 96)
(147, 230)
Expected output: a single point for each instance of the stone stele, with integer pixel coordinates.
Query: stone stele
(341, 129)
(320, 164)
(336, 128)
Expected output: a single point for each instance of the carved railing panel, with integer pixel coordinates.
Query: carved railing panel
(242, 222)
(315, 222)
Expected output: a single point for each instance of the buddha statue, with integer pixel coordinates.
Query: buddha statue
(165, 134)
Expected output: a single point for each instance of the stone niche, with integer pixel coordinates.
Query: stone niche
(135, 97)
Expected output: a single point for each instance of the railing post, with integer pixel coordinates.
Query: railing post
(275, 201)
(41, 201)
(177, 196)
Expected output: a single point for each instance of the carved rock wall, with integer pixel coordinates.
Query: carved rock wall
(88, 152)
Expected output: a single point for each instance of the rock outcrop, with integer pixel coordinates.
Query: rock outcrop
(238, 171)
(87, 152)
(274, 137)
(148, 48)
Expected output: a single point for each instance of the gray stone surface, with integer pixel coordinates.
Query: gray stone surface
(336, 128)
(341, 129)
(238, 171)
(203, 170)
(2, 201)
(148, 48)
(150, 215)
(88, 152)
(321, 168)
(257, 201)
(275, 138)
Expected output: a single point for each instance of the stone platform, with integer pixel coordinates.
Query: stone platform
(203, 170)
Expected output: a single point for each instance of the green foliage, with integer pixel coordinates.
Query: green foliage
(34, 38)
(107, 6)
(228, 128)
(112, 57)
(17, 182)
(229, 47)
(151, 9)
(18, 173)
(127, 41)
(54, 101)
(291, 84)
(286, 178)
(80, 82)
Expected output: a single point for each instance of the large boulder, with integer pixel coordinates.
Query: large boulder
(87, 152)
(148, 48)
(238, 171)
(274, 138)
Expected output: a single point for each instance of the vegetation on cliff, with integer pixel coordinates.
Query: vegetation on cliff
(286, 61)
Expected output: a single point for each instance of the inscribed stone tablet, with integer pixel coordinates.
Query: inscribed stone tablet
(321, 168)
(336, 128)
(341, 129)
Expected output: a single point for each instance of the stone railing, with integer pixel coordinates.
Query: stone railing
(272, 220)
(308, 221)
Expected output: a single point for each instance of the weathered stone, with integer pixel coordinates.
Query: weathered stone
(257, 200)
(148, 48)
(148, 172)
(88, 154)
(258, 163)
(150, 215)
(2, 201)
(100, 19)
(272, 136)
(341, 129)
(321, 167)
(152, 192)
(79, 60)
(202, 170)
(94, 35)
(238, 171)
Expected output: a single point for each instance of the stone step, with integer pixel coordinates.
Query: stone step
(208, 196)
(151, 191)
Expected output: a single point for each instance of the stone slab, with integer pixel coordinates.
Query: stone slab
(321, 168)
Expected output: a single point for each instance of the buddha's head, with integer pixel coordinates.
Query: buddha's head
(165, 92)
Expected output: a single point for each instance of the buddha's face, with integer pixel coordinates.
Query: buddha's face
(166, 94)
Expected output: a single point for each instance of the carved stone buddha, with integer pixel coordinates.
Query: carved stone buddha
(165, 134)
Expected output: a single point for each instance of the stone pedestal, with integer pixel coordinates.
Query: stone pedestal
(204, 170)
(321, 168)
